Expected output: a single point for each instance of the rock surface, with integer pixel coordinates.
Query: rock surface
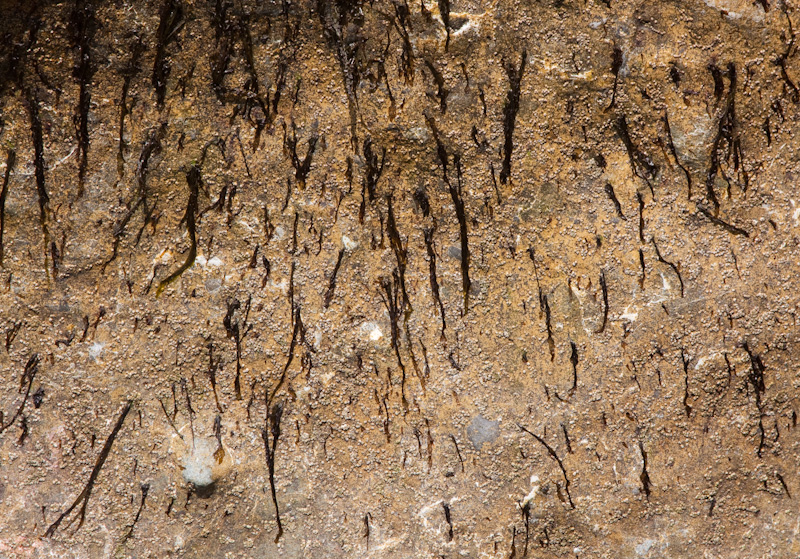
(399, 279)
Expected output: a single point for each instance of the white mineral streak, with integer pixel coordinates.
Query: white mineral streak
(534, 490)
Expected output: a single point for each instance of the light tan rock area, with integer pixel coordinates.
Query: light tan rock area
(399, 279)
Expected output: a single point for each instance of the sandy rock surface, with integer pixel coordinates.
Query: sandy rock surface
(395, 279)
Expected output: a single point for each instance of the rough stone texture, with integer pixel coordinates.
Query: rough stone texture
(655, 420)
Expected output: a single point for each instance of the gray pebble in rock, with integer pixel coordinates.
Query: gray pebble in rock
(481, 431)
(213, 285)
(454, 252)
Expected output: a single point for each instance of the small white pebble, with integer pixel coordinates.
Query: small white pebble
(349, 244)
(96, 349)
(372, 330)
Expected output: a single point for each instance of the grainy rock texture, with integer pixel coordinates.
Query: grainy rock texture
(392, 279)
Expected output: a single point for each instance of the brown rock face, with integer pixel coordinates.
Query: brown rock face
(399, 279)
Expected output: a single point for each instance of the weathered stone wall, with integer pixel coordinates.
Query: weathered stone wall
(438, 279)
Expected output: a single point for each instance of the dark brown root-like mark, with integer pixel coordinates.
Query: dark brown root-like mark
(219, 453)
(25, 384)
(458, 453)
(280, 82)
(756, 379)
(604, 288)
(767, 128)
(189, 409)
(421, 375)
(719, 84)
(513, 553)
(668, 263)
(573, 359)
(685, 362)
(551, 345)
(38, 397)
(644, 273)
(427, 370)
(341, 19)
(224, 34)
(84, 26)
(616, 65)
(129, 71)
(301, 167)
(392, 111)
(151, 147)
(556, 458)
(32, 104)
(145, 488)
(613, 197)
(421, 199)
(532, 254)
(170, 420)
(66, 341)
(87, 490)
(400, 253)
(566, 439)
(641, 216)
(326, 301)
(730, 228)
(675, 75)
(11, 159)
(374, 169)
(401, 23)
(273, 428)
(269, 228)
(526, 518)
(781, 60)
(195, 181)
(23, 423)
(170, 23)
(391, 296)
(441, 150)
(444, 13)
(298, 336)
(674, 153)
(244, 155)
(249, 100)
(429, 439)
(783, 484)
(727, 137)
(510, 110)
(641, 164)
(290, 291)
(449, 521)
(644, 477)
(428, 234)
(85, 328)
(294, 240)
(386, 422)
(480, 143)
(458, 203)
(267, 270)
(236, 328)
(365, 533)
(442, 92)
